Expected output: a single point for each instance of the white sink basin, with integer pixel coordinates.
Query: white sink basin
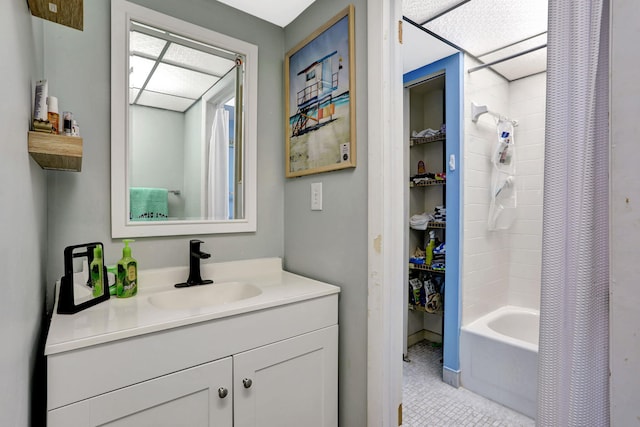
(204, 295)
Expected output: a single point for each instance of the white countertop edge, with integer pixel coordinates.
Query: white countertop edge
(62, 347)
(179, 318)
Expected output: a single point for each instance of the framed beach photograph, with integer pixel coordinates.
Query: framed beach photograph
(320, 99)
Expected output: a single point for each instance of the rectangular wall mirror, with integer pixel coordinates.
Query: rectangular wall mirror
(183, 127)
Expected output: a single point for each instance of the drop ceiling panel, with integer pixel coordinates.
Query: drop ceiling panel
(133, 94)
(145, 44)
(167, 102)
(179, 81)
(421, 10)
(480, 26)
(139, 70)
(523, 46)
(523, 66)
(192, 58)
(489, 30)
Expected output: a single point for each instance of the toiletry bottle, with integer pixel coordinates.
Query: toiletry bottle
(54, 116)
(429, 250)
(96, 273)
(127, 280)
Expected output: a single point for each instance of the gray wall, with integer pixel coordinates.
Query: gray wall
(77, 65)
(192, 160)
(23, 218)
(158, 154)
(330, 245)
(625, 216)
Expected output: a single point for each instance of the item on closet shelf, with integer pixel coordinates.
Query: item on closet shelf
(53, 115)
(416, 285)
(420, 221)
(421, 169)
(440, 214)
(430, 246)
(439, 256)
(40, 102)
(434, 303)
(438, 282)
(96, 272)
(443, 128)
(424, 133)
(127, 277)
(441, 176)
(438, 266)
(417, 257)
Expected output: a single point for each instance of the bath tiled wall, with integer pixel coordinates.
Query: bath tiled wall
(502, 267)
(485, 265)
(527, 105)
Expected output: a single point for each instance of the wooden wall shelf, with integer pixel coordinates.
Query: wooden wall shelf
(65, 12)
(56, 152)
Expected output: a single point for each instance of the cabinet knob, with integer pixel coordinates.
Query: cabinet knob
(247, 382)
(222, 392)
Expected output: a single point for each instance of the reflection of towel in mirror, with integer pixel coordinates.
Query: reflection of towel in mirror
(148, 204)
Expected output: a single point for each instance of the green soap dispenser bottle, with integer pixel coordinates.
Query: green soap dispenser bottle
(127, 277)
(96, 273)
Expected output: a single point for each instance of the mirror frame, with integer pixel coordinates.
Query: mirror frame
(122, 12)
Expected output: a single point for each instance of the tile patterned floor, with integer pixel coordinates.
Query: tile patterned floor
(429, 402)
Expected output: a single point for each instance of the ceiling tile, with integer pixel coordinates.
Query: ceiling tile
(167, 102)
(145, 44)
(181, 55)
(421, 10)
(180, 81)
(133, 94)
(480, 26)
(139, 70)
(523, 66)
(522, 46)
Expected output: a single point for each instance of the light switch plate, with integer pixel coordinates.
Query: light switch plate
(316, 196)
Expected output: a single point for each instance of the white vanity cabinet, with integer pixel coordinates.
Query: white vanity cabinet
(189, 397)
(289, 383)
(270, 362)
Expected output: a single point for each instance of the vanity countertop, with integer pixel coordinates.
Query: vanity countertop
(120, 318)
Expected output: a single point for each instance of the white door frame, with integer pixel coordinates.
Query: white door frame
(385, 213)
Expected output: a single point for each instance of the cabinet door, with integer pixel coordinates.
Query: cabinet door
(289, 383)
(185, 398)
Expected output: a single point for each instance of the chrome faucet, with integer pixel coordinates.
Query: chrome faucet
(195, 255)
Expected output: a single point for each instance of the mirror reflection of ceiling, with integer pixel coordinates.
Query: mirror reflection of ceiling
(508, 36)
(172, 72)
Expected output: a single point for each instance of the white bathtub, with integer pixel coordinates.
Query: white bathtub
(499, 357)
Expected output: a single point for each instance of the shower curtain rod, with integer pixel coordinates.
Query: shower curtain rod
(478, 110)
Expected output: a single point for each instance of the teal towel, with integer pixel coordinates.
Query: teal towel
(148, 204)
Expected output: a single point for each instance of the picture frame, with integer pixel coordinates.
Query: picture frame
(320, 125)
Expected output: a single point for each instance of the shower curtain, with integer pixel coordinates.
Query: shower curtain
(218, 167)
(573, 376)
